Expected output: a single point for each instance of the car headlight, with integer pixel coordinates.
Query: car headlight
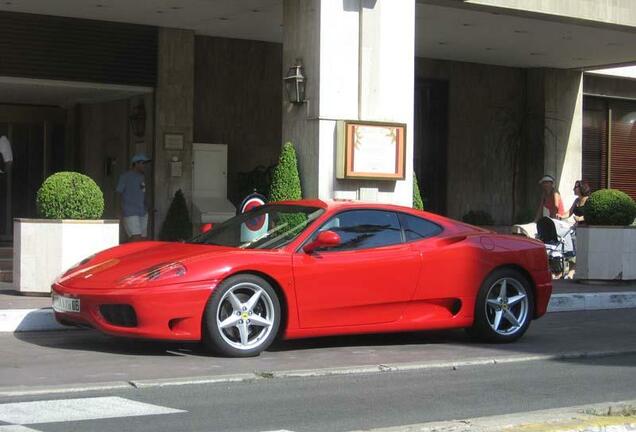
(160, 272)
(73, 268)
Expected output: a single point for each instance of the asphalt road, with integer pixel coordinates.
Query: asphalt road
(346, 403)
(80, 357)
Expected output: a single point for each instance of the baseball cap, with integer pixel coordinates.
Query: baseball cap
(140, 157)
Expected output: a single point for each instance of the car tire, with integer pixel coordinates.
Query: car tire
(503, 318)
(241, 317)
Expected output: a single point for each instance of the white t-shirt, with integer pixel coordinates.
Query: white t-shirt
(5, 149)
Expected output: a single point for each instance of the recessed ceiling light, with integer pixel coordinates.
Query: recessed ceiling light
(99, 5)
(224, 19)
(256, 10)
(521, 31)
(442, 43)
(176, 7)
(467, 25)
(159, 11)
(537, 54)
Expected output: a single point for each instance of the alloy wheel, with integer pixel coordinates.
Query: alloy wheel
(506, 306)
(245, 316)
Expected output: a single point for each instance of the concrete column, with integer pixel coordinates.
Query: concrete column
(558, 96)
(174, 114)
(358, 57)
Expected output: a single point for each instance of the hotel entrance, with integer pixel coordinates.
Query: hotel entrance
(36, 139)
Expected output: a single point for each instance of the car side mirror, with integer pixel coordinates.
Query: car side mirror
(324, 239)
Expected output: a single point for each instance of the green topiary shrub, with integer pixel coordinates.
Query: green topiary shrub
(478, 217)
(177, 226)
(70, 195)
(285, 180)
(417, 198)
(609, 207)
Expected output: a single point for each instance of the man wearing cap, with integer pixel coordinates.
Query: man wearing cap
(132, 192)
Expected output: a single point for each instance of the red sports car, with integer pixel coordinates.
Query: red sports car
(309, 268)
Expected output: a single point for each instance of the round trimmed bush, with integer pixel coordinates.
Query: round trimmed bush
(609, 207)
(70, 195)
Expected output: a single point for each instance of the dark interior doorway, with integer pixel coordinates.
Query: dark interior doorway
(38, 147)
(431, 142)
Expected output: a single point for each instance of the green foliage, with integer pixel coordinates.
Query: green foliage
(285, 180)
(609, 207)
(177, 225)
(70, 195)
(524, 216)
(478, 217)
(417, 198)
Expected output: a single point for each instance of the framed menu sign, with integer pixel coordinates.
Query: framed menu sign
(371, 150)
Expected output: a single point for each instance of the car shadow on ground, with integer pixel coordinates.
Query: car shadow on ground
(93, 340)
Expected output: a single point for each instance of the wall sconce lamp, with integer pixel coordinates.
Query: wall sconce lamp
(137, 119)
(295, 84)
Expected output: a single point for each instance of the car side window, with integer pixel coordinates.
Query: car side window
(363, 229)
(416, 228)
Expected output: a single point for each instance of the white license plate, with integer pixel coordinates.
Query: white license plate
(65, 304)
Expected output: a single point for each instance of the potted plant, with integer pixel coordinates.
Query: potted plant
(606, 244)
(70, 229)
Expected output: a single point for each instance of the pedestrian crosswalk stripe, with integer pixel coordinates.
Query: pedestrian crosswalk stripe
(16, 428)
(65, 410)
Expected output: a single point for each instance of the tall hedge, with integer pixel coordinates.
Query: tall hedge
(70, 195)
(609, 207)
(417, 198)
(177, 226)
(286, 180)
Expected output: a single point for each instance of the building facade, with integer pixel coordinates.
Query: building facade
(492, 94)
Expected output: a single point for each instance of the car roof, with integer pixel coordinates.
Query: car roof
(337, 205)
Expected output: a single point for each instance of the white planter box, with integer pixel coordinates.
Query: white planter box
(605, 253)
(44, 248)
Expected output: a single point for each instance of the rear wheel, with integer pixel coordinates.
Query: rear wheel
(242, 316)
(504, 307)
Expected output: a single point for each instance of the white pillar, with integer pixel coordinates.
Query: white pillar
(358, 57)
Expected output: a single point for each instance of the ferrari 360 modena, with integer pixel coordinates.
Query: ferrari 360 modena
(308, 268)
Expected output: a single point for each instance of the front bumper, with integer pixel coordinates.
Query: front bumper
(172, 312)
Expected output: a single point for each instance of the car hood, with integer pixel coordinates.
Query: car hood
(109, 268)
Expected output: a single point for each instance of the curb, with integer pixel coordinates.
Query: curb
(298, 373)
(609, 416)
(23, 320)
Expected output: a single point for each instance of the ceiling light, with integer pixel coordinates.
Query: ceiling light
(442, 43)
(256, 10)
(176, 7)
(537, 54)
(521, 31)
(467, 25)
(159, 11)
(223, 19)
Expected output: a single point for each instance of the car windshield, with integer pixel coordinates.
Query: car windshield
(264, 227)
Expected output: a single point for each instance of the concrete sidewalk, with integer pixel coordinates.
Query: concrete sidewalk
(20, 313)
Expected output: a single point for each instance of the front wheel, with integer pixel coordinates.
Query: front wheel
(242, 316)
(504, 307)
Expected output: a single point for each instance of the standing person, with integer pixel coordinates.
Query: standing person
(582, 191)
(132, 203)
(551, 204)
